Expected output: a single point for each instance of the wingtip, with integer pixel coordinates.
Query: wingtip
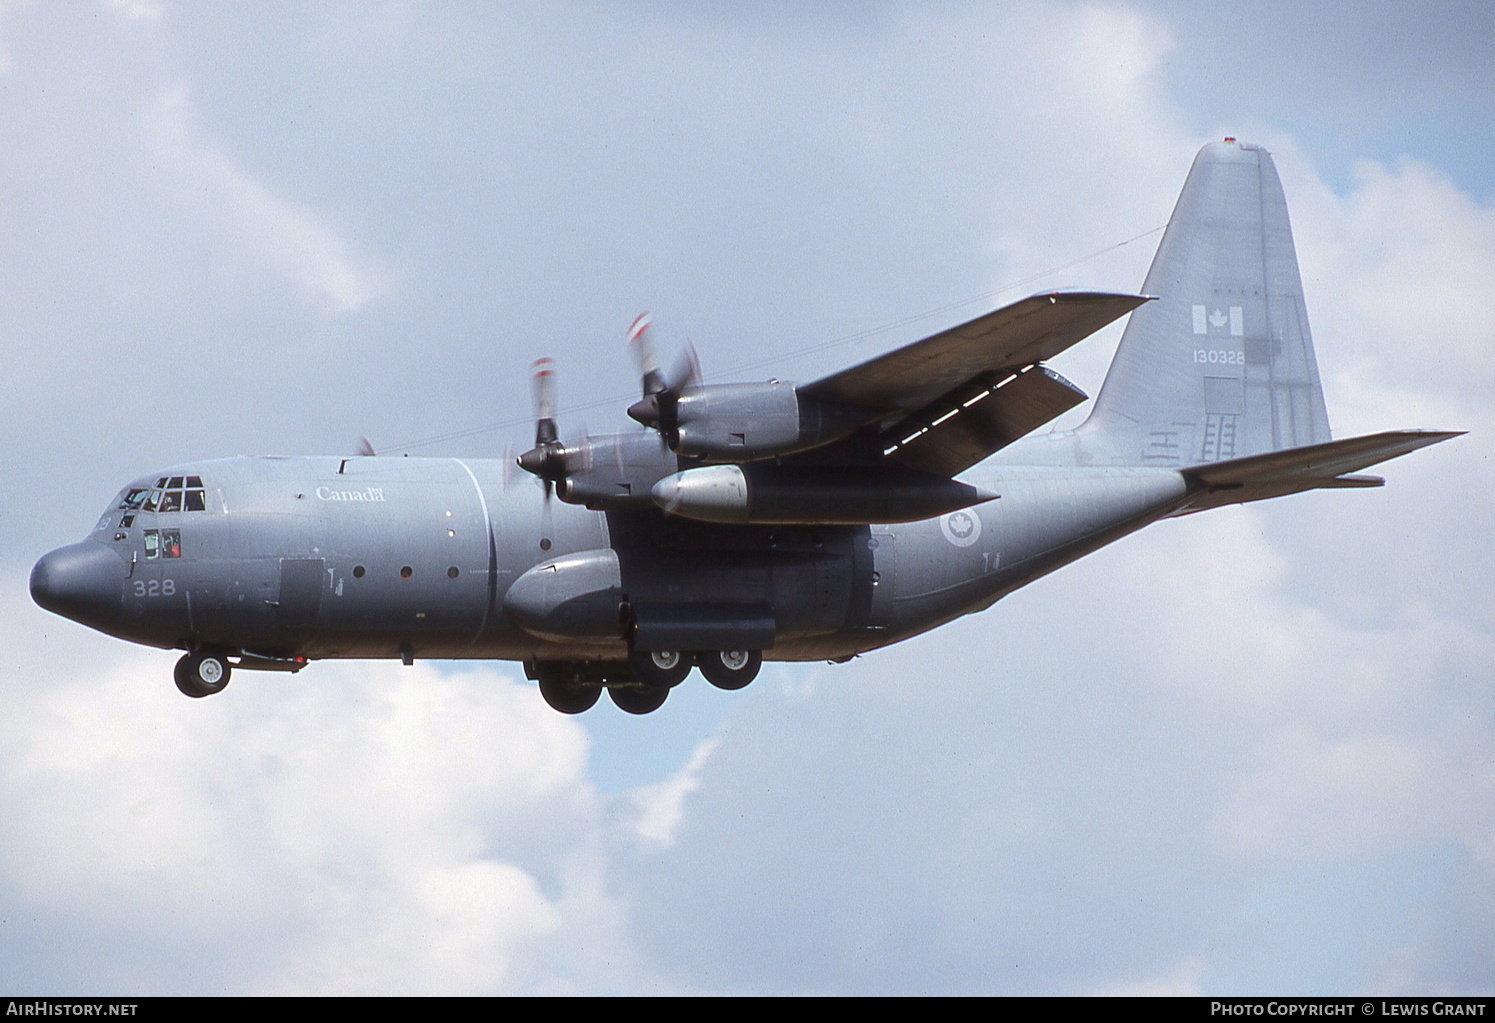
(1429, 437)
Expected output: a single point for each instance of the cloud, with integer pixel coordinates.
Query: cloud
(1410, 312)
(661, 805)
(247, 217)
(366, 830)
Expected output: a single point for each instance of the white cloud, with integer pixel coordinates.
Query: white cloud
(396, 830)
(661, 805)
(1399, 275)
(248, 217)
(1310, 795)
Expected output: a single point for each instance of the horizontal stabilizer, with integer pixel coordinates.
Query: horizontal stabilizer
(1317, 466)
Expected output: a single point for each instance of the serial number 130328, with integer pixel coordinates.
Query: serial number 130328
(1219, 357)
(155, 587)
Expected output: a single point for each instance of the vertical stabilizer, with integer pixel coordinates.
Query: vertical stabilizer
(1222, 365)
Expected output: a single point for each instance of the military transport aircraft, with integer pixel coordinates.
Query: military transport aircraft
(795, 522)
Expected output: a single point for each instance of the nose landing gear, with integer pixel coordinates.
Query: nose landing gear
(202, 673)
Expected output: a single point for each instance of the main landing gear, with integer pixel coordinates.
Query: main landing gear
(202, 673)
(567, 688)
(730, 669)
(643, 684)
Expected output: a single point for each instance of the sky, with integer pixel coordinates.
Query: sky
(1245, 752)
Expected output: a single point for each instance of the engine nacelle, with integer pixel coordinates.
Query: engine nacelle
(615, 471)
(742, 422)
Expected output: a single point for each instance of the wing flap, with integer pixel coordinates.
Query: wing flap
(964, 427)
(1293, 470)
(1010, 338)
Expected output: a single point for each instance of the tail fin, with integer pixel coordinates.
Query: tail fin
(1222, 366)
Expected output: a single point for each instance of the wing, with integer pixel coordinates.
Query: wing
(1015, 336)
(944, 403)
(1293, 470)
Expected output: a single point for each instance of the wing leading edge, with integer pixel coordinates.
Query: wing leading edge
(1019, 335)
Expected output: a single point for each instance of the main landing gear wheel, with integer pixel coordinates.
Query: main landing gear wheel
(729, 669)
(566, 694)
(639, 699)
(202, 673)
(663, 669)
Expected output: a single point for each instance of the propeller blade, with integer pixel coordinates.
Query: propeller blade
(365, 449)
(547, 459)
(657, 409)
(641, 343)
(687, 369)
(542, 372)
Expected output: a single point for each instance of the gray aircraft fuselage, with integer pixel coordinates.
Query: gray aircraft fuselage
(292, 558)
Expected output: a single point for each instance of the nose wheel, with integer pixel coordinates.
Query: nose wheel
(202, 673)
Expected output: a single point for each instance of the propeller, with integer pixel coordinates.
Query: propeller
(659, 407)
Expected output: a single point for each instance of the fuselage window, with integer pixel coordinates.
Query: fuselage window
(152, 544)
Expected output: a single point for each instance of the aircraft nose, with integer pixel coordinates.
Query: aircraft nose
(82, 581)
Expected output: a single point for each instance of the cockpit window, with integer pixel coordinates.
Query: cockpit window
(170, 494)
